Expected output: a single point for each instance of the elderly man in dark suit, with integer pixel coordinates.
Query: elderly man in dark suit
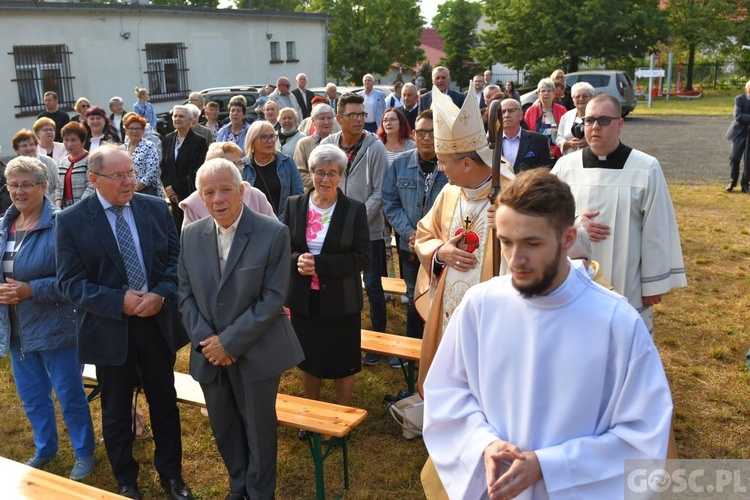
(737, 133)
(304, 97)
(524, 150)
(233, 279)
(117, 258)
(441, 78)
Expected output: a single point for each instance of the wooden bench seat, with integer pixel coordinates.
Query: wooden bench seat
(398, 346)
(23, 482)
(328, 425)
(396, 286)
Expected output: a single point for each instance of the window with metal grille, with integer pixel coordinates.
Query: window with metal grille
(42, 68)
(276, 52)
(167, 71)
(291, 52)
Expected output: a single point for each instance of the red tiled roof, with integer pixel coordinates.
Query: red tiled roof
(432, 45)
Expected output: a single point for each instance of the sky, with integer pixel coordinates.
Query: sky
(429, 9)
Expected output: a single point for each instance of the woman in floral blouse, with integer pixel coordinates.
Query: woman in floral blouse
(330, 248)
(144, 155)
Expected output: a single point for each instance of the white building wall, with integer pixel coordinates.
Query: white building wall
(221, 49)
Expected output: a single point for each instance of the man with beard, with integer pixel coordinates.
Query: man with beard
(544, 383)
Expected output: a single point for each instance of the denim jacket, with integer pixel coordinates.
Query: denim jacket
(404, 200)
(291, 182)
(46, 319)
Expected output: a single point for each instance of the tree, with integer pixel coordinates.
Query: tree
(703, 24)
(188, 3)
(367, 36)
(570, 30)
(456, 23)
(285, 5)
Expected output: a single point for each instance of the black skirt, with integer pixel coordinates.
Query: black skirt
(331, 345)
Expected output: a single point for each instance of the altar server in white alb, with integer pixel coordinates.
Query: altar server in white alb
(544, 382)
(626, 193)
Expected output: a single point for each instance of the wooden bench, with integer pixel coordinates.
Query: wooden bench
(398, 346)
(396, 286)
(23, 482)
(328, 425)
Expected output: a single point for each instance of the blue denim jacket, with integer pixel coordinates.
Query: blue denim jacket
(47, 319)
(291, 182)
(404, 200)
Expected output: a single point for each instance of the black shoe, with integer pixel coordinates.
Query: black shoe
(236, 496)
(730, 187)
(177, 489)
(746, 189)
(371, 359)
(130, 492)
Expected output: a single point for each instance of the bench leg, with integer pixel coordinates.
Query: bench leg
(345, 456)
(408, 370)
(316, 447)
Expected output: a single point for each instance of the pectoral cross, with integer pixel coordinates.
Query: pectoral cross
(467, 223)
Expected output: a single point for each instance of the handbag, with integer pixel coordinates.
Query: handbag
(408, 413)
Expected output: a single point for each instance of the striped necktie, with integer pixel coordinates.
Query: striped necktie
(136, 279)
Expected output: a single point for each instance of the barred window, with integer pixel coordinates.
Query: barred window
(42, 68)
(167, 71)
(276, 52)
(291, 51)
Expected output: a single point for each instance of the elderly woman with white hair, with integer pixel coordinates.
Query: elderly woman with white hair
(268, 169)
(236, 130)
(253, 198)
(37, 324)
(570, 136)
(544, 115)
(330, 248)
(324, 120)
(289, 135)
(183, 152)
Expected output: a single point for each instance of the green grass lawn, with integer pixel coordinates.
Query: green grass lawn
(712, 103)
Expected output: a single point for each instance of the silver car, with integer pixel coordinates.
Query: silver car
(616, 83)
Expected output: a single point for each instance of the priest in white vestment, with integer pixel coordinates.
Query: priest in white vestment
(544, 382)
(454, 241)
(642, 256)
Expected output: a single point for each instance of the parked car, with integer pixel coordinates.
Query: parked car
(616, 83)
(220, 95)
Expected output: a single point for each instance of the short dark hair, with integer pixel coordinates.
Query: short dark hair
(538, 193)
(74, 128)
(51, 94)
(349, 98)
(426, 114)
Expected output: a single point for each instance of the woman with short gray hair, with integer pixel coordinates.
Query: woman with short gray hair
(544, 115)
(37, 324)
(330, 248)
(323, 118)
(289, 135)
(570, 136)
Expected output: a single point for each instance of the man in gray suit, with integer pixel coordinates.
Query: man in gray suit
(233, 279)
(737, 133)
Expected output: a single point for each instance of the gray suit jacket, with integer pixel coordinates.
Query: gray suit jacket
(245, 303)
(741, 117)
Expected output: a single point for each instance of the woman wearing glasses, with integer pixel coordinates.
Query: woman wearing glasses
(143, 154)
(37, 325)
(44, 128)
(395, 133)
(81, 105)
(570, 133)
(268, 169)
(323, 118)
(330, 248)
(544, 115)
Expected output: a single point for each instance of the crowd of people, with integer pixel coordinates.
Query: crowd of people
(251, 240)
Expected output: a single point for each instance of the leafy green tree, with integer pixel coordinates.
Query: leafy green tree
(704, 24)
(456, 23)
(367, 36)
(285, 5)
(570, 30)
(188, 3)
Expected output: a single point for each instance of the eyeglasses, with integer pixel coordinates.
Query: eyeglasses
(267, 138)
(581, 96)
(47, 130)
(355, 116)
(510, 110)
(135, 129)
(84, 106)
(422, 133)
(603, 121)
(118, 177)
(389, 120)
(22, 187)
(331, 175)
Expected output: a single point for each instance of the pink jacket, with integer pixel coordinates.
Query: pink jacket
(253, 198)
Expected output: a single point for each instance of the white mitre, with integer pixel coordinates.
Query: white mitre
(460, 130)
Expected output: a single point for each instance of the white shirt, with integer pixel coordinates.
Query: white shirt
(370, 105)
(510, 146)
(572, 376)
(224, 239)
